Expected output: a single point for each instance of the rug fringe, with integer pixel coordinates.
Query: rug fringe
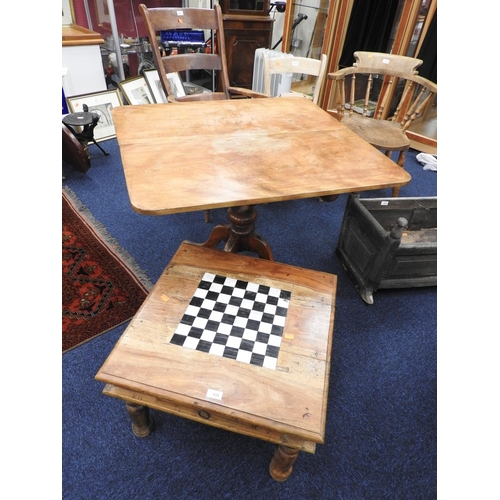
(110, 240)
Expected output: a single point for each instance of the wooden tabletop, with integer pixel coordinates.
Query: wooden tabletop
(205, 155)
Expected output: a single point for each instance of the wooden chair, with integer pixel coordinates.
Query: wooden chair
(314, 69)
(379, 97)
(73, 151)
(160, 19)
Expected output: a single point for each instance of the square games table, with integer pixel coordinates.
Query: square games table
(235, 342)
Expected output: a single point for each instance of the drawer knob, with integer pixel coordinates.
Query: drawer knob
(204, 414)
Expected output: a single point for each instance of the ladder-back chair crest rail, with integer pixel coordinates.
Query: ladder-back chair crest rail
(210, 58)
(314, 71)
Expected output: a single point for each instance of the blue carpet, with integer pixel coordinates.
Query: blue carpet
(381, 424)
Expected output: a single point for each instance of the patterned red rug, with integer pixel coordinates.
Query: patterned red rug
(102, 286)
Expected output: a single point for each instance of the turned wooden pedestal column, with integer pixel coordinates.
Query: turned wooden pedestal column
(239, 235)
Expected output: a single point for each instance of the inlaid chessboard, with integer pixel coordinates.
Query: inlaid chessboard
(235, 319)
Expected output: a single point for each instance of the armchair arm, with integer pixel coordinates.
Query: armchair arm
(341, 73)
(245, 92)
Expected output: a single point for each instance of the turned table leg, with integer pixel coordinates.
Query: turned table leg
(142, 423)
(281, 464)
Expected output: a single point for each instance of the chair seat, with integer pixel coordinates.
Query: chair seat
(382, 134)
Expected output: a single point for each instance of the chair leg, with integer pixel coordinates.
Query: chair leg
(207, 215)
(401, 159)
(401, 162)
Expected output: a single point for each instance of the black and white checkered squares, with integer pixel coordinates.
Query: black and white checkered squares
(235, 319)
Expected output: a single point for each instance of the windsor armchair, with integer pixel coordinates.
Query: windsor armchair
(379, 97)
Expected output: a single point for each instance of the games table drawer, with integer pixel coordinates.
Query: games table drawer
(203, 412)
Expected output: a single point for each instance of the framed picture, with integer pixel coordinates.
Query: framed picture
(176, 84)
(101, 103)
(153, 80)
(67, 12)
(102, 11)
(136, 90)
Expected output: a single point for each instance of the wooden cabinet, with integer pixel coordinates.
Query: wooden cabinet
(245, 7)
(245, 34)
(247, 27)
(389, 243)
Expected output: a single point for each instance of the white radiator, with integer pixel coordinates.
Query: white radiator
(279, 83)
